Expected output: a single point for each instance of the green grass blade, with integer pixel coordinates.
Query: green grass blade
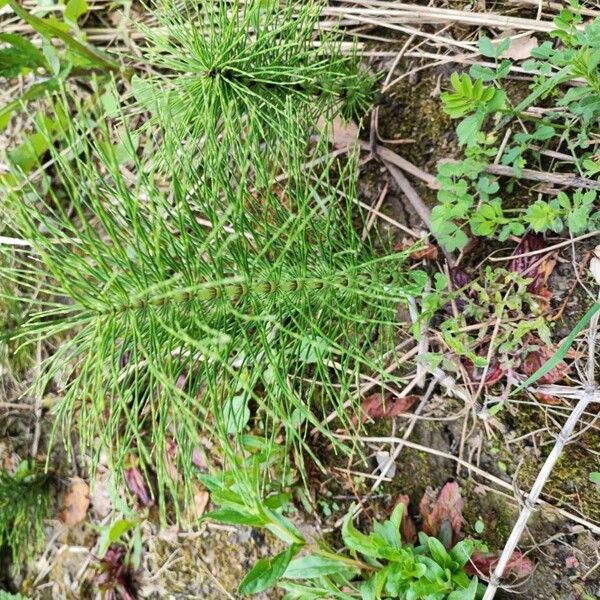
(562, 349)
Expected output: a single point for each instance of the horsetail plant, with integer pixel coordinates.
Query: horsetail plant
(248, 74)
(197, 303)
(24, 504)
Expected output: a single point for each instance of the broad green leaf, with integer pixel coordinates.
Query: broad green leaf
(483, 73)
(462, 551)
(496, 102)
(591, 167)
(267, 571)
(396, 521)
(502, 46)
(114, 533)
(544, 132)
(54, 29)
(235, 517)
(311, 566)
(51, 56)
(35, 91)
(304, 592)
(26, 155)
(282, 527)
(21, 54)
(468, 594)
(355, 540)
(213, 483)
(434, 570)
(543, 216)
(74, 9)
(486, 48)
(372, 588)
(438, 552)
(504, 69)
(578, 219)
(469, 127)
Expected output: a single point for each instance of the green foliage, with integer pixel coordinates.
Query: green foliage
(248, 74)
(51, 28)
(196, 304)
(224, 287)
(115, 533)
(19, 56)
(499, 295)
(474, 99)
(575, 212)
(467, 96)
(24, 504)
(562, 350)
(421, 571)
(481, 101)
(373, 566)
(13, 358)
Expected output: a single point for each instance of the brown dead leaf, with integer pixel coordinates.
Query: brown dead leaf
(520, 47)
(198, 505)
(442, 513)
(100, 499)
(75, 503)
(377, 406)
(201, 498)
(422, 252)
(340, 133)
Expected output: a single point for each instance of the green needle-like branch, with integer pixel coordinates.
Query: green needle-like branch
(200, 302)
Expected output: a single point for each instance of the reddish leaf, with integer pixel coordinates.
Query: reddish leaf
(181, 381)
(124, 361)
(571, 562)
(518, 566)
(459, 278)
(198, 459)
(548, 399)
(535, 359)
(523, 265)
(442, 513)
(377, 406)
(115, 574)
(494, 374)
(137, 485)
(408, 530)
